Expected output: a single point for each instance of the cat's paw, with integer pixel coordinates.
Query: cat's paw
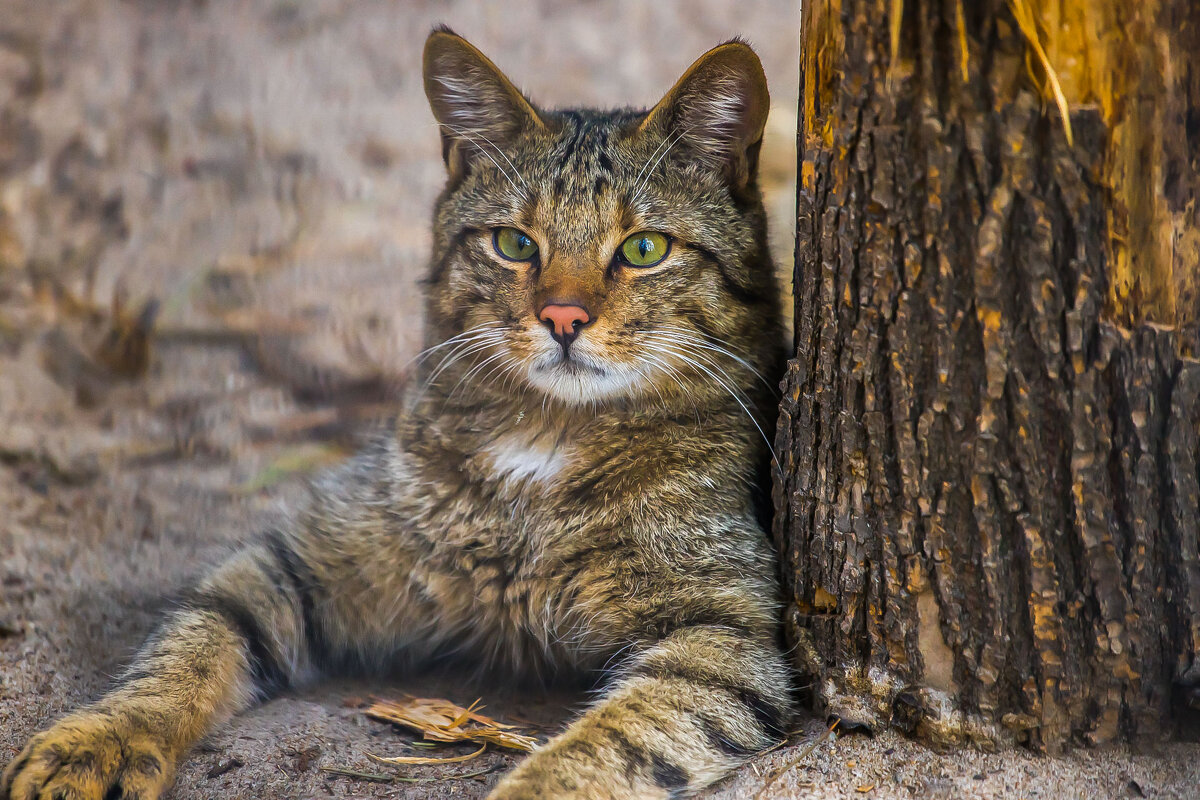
(532, 791)
(543, 775)
(89, 756)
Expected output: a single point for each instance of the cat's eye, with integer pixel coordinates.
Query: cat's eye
(645, 249)
(514, 244)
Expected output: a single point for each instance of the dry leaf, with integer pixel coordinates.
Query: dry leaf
(866, 787)
(442, 721)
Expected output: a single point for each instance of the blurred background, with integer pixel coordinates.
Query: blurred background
(266, 169)
(213, 219)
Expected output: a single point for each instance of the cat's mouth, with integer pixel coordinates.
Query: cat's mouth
(579, 378)
(572, 366)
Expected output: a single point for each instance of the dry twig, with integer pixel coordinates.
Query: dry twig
(787, 765)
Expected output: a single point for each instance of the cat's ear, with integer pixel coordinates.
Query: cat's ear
(718, 110)
(477, 108)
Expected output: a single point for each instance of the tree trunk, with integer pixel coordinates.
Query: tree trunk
(990, 431)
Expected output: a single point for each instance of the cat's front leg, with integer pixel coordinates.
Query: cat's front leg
(262, 621)
(234, 639)
(686, 712)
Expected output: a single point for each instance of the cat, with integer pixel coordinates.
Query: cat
(573, 486)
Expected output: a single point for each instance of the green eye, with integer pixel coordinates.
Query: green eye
(645, 249)
(514, 245)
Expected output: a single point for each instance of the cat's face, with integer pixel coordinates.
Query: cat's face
(596, 256)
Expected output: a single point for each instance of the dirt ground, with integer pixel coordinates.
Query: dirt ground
(264, 171)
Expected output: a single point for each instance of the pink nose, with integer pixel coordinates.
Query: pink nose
(563, 321)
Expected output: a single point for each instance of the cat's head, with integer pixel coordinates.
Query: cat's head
(601, 256)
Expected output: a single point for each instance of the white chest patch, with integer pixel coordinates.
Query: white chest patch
(519, 460)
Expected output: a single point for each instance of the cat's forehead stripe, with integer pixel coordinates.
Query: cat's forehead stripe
(584, 162)
(573, 138)
(576, 211)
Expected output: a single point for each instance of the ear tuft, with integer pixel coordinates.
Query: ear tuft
(718, 109)
(476, 106)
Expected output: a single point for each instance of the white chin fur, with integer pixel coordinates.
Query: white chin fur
(586, 382)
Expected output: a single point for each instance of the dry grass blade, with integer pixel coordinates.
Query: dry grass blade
(375, 778)
(297, 460)
(399, 760)
(440, 720)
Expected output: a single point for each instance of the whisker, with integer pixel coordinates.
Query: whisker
(512, 377)
(668, 143)
(673, 374)
(428, 351)
(474, 137)
(662, 366)
(684, 335)
(472, 351)
(461, 351)
(472, 371)
(456, 343)
(506, 364)
(496, 147)
(732, 393)
(509, 370)
(458, 353)
(706, 336)
(686, 349)
(650, 158)
(641, 186)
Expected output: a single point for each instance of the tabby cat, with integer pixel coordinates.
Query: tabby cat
(572, 488)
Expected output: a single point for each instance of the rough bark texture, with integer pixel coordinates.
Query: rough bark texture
(989, 504)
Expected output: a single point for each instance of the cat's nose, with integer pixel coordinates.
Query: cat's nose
(564, 321)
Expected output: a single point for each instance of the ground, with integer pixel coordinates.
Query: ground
(264, 171)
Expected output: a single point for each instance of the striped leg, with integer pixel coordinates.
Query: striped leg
(687, 711)
(241, 636)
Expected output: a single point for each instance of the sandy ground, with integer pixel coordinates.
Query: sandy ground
(265, 170)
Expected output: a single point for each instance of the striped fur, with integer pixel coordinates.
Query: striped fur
(600, 518)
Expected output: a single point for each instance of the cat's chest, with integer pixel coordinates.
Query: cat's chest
(504, 495)
(524, 495)
(535, 463)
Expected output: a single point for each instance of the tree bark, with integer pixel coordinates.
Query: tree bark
(990, 431)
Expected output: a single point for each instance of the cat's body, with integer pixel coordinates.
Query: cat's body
(573, 487)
